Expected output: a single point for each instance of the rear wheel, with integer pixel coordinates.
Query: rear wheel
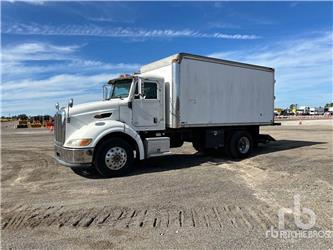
(114, 157)
(240, 144)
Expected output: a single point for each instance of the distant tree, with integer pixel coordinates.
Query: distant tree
(22, 117)
(47, 117)
(328, 105)
(293, 106)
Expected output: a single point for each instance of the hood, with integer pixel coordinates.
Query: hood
(93, 107)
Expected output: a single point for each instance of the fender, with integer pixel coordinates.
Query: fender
(97, 130)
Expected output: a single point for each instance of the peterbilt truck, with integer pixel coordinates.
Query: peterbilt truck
(214, 104)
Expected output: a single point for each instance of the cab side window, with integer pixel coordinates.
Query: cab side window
(150, 90)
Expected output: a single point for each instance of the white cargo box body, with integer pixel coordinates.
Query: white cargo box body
(203, 91)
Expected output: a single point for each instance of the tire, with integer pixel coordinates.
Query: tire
(114, 157)
(90, 172)
(240, 145)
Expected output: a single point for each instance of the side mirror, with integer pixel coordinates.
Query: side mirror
(107, 91)
(70, 103)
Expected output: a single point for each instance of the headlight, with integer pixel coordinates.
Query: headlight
(80, 142)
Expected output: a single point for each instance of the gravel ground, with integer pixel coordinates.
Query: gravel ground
(186, 200)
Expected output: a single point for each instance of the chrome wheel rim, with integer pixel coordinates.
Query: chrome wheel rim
(115, 158)
(244, 145)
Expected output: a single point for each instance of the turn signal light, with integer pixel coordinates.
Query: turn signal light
(85, 142)
(80, 142)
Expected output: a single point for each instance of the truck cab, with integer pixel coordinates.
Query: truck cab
(140, 100)
(130, 105)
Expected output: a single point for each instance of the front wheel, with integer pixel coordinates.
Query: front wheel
(240, 144)
(114, 157)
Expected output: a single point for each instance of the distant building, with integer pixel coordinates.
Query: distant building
(303, 110)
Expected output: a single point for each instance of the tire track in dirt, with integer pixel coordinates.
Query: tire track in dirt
(161, 218)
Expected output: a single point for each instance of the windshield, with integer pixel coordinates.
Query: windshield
(121, 88)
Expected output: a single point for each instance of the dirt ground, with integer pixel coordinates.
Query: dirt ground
(186, 200)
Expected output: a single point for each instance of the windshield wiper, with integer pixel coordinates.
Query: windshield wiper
(118, 96)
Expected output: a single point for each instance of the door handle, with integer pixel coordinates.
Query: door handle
(155, 119)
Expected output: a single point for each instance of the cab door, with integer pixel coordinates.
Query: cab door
(147, 105)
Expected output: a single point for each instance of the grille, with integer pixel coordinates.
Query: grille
(59, 128)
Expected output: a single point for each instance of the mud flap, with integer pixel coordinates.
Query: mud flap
(265, 138)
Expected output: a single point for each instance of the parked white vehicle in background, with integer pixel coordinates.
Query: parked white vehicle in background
(303, 110)
(212, 103)
(317, 111)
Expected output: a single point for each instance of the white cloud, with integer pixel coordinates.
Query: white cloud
(33, 96)
(33, 2)
(303, 67)
(36, 75)
(28, 88)
(92, 30)
(101, 19)
(18, 70)
(223, 25)
(39, 106)
(38, 51)
(54, 83)
(17, 61)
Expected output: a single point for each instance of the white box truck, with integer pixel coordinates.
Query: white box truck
(214, 104)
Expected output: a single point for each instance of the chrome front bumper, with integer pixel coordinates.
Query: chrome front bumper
(73, 157)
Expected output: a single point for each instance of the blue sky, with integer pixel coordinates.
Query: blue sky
(52, 51)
